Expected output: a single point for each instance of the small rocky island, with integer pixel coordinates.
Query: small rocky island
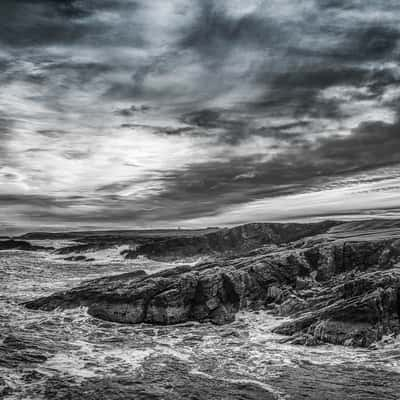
(337, 282)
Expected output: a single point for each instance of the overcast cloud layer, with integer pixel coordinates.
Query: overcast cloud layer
(122, 113)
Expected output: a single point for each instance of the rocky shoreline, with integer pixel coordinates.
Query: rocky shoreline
(11, 244)
(338, 283)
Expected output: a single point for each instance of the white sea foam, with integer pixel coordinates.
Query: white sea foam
(69, 363)
(181, 354)
(246, 350)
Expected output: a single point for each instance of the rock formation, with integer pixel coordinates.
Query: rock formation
(235, 240)
(12, 244)
(336, 289)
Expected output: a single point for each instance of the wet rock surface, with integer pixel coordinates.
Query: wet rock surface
(78, 258)
(340, 291)
(12, 244)
(213, 291)
(357, 312)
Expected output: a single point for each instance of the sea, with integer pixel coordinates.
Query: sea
(50, 355)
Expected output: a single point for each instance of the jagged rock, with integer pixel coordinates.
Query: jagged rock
(292, 305)
(209, 292)
(359, 312)
(78, 258)
(89, 247)
(342, 256)
(20, 245)
(235, 240)
(337, 291)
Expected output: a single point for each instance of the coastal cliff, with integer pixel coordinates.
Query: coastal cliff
(335, 289)
(240, 239)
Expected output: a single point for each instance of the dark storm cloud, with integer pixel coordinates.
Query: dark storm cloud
(76, 155)
(80, 72)
(114, 187)
(308, 167)
(335, 4)
(66, 8)
(132, 110)
(164, 130)
(257, 99)
(214, 32)
(48, 22)
(367, 42)
(297, 91)
(214, 186)
(234, 127)
(27, 200)
(371, 144)
(56, 75)
(5, 64)
(297, 94)
(293, 82)
(371, 43)
(5, 124)
(136, 88)
(6, 127)
(27, 22)
(50, 133)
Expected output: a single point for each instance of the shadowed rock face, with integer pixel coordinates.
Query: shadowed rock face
(178, 244)
(234, 240)
(337, 291)
(20, 245)
(357, 312)
(211, 291)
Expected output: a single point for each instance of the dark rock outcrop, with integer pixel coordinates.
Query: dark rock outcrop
(177, 245)
(88, 247)
(356, 312)
(209, 292)
(237, 240)
(20, 245)
(79, 258)
(337, 291)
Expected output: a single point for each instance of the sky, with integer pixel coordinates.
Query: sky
(165, 113)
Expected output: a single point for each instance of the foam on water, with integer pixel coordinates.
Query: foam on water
(69, 364)
(81, 347)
